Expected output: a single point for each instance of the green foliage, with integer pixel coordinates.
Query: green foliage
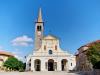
(93, 53)
(14, 64)
(97, 65)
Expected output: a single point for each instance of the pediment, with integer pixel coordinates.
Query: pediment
(51, 37)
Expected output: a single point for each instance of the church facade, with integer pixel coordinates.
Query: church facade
(47, 55)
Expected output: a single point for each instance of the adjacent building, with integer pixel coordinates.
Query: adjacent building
(47, 55)
(3, 57)
(82, 63)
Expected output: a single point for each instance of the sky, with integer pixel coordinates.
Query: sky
(74, 22)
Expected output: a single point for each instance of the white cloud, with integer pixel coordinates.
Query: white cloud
(22, 41)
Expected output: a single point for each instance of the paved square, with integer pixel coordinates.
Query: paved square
(37, 73)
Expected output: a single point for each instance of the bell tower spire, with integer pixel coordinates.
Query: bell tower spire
(39, 30)
(40, 16)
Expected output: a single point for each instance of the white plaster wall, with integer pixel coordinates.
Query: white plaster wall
(57, 55)
(32, 64)
(56, 59)
(73, 61)
(27, 61)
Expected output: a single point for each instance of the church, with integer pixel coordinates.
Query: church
(47, 54)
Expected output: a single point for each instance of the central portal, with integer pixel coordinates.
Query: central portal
(37, 65)
(50, 65)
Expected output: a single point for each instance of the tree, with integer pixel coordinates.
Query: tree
(14, 64)
(93, 53)
(21, 66)
(97, 65)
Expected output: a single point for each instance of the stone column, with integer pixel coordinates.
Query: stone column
(32, 65)
(27, 66)
(43, 66)
(67, 66)
(59, 65)
(55, 66)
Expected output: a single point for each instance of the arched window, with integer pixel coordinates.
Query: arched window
(44, 47)
(30, 63)
(71, 64)
(50, 51)
(39, 28)
(55, 47)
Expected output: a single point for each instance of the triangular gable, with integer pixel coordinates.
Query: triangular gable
(50, 37)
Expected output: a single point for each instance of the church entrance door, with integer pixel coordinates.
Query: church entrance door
(50, 65)
(37, 65)
(63, 64)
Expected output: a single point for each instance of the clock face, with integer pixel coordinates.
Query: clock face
(39, 33)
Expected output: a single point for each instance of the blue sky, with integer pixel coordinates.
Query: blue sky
(74, 22)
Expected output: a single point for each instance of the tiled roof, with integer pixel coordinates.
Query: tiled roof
(6, 53)
(90, 44)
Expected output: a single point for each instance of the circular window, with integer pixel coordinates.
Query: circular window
(50, 51)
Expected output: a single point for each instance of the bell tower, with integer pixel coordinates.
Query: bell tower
(39, 30)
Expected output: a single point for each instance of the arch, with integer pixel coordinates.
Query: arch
(56, 47)
(39, 28)
(29, 65)
(37, 64)
(63, 64)
(50, 65)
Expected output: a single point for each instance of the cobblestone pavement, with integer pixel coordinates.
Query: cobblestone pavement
(37, 73)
